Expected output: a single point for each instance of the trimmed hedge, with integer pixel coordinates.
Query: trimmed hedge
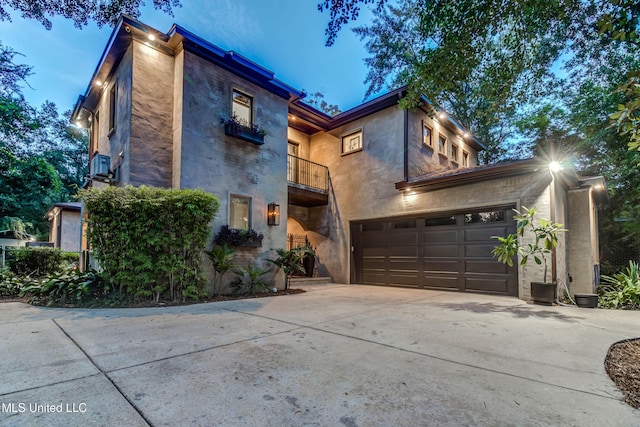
(149, 241)
(38, 262)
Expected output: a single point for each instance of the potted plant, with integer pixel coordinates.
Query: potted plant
(233, 126)
(290, 262)
(308, 259)
(545, 235)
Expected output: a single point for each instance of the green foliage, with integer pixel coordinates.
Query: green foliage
(622, 290)
(43, 159)
(250, 281)
(221, 257)
(149, 241)
(35, 262)
(80, 11)
(546, 240)
(235, 237)
(290, 261)
(10, 284)
(68, 287)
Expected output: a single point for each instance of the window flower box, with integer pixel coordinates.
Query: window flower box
(238, 238)
(250, 133)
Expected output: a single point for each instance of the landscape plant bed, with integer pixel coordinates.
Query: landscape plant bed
(141, 304)
(623, 366)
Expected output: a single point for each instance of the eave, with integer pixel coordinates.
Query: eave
(470, 175)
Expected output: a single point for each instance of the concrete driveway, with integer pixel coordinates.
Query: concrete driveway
(335, 356)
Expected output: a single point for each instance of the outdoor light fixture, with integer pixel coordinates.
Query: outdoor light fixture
(273, 214)
(98, 83)
(151, 37)
(555, 166)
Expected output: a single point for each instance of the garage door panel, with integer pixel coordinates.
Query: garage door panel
(441, 265)
(444, 236)
(440, 282)
(373, 252)
(401, 239)
(485, 267)
(480, 251)
(479, 233)
(372, 240)
(371, 278)
(489, 284)
(441, 251)
(403, 251)
(400, 279)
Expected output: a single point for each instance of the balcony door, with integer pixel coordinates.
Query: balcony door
(292, 162)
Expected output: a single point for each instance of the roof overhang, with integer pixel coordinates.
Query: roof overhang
(128, 29)
(456, 177)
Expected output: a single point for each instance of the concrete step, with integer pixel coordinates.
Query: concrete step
(298, 281)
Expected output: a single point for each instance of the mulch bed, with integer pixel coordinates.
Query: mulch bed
(623, 366)
(176, 303)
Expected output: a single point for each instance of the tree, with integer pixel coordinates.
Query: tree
(513, 44)
(80, 12)
(316, 100)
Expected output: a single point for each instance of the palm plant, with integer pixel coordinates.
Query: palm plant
(249, 281)
(290, 261)
(221, 257)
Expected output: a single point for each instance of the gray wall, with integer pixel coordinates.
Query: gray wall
(151, 142)
(225, 165)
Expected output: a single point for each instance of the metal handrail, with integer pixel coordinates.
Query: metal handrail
(310, 174)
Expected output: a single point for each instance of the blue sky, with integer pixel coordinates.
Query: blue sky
(284, 36)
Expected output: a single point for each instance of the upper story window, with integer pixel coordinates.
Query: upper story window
(242, 108)
(239, 212)
(352, 141)
(454, 153)
(465, 159)
(95, 131)
(442, 144)
(427, 134)
(113, 93)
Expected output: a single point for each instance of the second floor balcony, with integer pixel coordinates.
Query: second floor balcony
(308, 182)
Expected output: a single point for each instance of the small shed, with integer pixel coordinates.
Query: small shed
(65, 229)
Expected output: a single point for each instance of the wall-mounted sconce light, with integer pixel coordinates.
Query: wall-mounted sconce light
(273, 214)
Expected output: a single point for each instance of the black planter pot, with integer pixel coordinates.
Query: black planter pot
(543, 293)
(309, 263)
(586, 300)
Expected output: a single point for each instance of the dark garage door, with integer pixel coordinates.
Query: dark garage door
(447, 251)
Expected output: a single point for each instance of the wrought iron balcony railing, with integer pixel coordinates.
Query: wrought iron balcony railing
(307, 173)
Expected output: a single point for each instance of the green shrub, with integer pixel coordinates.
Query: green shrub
(622, 290)
(149, 241)
(68, 287)
(250, 281)
(10, 284)
(35, 262)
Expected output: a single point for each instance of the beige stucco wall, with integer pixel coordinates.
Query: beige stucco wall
(425, 159)
(70, 238)
(302, 140)
(583, 253)
(225, 165)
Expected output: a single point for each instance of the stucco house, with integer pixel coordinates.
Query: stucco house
(387, 196)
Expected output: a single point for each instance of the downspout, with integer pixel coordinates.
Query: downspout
(552, 214)
(406, 145)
